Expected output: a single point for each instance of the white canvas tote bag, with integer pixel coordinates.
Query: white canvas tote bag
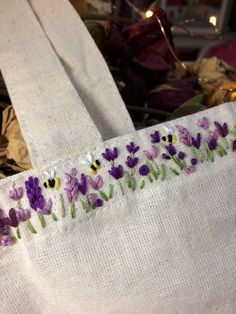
(147, 226)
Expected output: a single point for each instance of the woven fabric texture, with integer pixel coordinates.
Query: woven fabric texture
(84, 65)
(169, 248)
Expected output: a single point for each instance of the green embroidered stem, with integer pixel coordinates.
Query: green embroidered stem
(19, 204)
(54, 217)
(110, 193)
(18, 233)
(225, 143)
(207, 151)
(152, 170)
(178, 162)
(132, 171)
(194, 153)
(30, 226)
(174, 171)
(221, 147)
(42, 220)
(121, 188)
(72, 210)
(86, 205)
(150, 178)
(128, 179)
(103, 196)
(163, 172)
(133, 184)
(63, 210)
(220, 151)
(142, 184)
(200, 155)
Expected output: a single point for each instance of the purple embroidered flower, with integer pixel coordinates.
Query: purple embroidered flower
(47, 208)
(12, 218)
(212, 144)
(132, 148)
(23, 214)
(212, 135)
(151, 154)
(96, 183)
(222, 129)
(110, 155)
(116, 172)
(203, 123)
(190, 169)
(131, 162)
(196, 142)
(181, 155)
(234, 145)
(94, 200)
(34, 195)
(82, 185)
(166, 156)
(144, 170)
(171, 149)
(184, 135)
(16, 194)
(155, 137)
(6, 240)
(72, 188)
(4, 224)
(194, 161)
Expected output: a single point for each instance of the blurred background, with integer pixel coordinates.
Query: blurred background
(168, 58)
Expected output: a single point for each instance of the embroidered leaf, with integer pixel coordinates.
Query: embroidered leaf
(225, 143)
(178, 162)
(209, 152)
(72, 210)
(174, 171)
(63, 209)
(30, 226)
(86, 205)
(221, 147)
(133, 184)
(142, 184)
(128, 179)
(163, 172)
(194, 152)
(42, 220)
(152, 170)
(18, 233)
(121, 188)
(54, 217)
(233, 131)
(150, 178)
(111, 187)
(199, 155)
(103, 195)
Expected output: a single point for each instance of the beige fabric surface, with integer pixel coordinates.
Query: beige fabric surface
(48, 107)
(84, 65)
(169, 248)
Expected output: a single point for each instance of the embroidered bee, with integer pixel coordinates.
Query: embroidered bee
(93, 165)
(170, 137)
(52, 181)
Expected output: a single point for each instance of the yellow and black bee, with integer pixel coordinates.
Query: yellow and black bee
(93, 165)
(52, 181)
(170, 137)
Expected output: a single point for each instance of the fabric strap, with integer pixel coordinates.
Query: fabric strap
(84, 65)
(53, 119)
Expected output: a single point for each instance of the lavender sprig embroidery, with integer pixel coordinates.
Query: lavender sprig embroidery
(155, 137)
(132, 148)
(117, 173)
(110, 155)
(223, 131)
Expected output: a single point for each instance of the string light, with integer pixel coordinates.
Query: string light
(149, 14)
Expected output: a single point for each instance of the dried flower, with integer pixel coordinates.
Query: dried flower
(222, 129)
(131, 162)
(155, 137)
(151, 154)
(144, 170)
(196, 142)
(16, 193)
(203, 123)
(116, 172)
(184, 135)
(181, 155)
(110, 155)
(171, 149)
(96, 183)
(132, 148)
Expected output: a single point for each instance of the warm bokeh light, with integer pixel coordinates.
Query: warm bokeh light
(149, 14)
(213, 20)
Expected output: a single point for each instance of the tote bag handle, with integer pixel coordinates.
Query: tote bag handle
(84, 66)
(53, 119)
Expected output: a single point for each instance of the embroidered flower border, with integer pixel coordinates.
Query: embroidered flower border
(90, 191)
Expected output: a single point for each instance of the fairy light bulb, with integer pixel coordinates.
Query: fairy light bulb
(213, 20)
(148, 14)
